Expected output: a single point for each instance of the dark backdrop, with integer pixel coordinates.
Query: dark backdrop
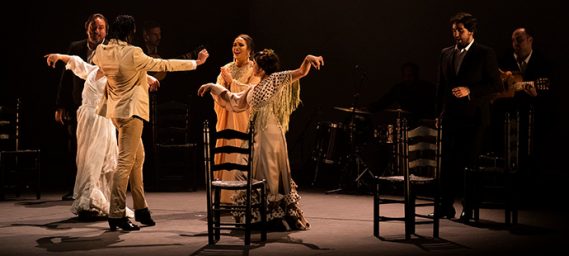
(364, 43)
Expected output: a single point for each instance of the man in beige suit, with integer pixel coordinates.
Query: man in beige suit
(127, 105)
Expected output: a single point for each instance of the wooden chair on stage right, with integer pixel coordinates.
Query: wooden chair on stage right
(498, 175)
(417, 183)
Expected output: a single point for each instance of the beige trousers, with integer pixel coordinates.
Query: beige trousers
(129, 167)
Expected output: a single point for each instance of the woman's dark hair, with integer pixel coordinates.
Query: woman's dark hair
(268, 61)
(469, 21)
(248, 41)
(123, 28)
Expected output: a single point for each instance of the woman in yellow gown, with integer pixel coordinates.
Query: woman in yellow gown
(236, 76)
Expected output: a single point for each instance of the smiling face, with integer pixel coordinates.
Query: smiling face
(241, 50)
(97, 31)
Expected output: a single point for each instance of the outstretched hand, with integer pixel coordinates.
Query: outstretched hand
(202, 57)
(315, 61)
(204, 89)
(51, 59)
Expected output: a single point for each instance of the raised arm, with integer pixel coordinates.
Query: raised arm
(72, 62)
(308, 62)
(52, 58)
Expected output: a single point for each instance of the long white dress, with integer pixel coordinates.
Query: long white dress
(97, 149)
(271, 102)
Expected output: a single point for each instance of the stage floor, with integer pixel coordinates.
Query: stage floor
(341, 224)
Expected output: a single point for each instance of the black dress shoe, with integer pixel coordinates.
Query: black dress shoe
(122, 223)
(465, 216)
(143, 216)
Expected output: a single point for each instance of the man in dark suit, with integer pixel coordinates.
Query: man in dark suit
(69, 93)
(468, 75)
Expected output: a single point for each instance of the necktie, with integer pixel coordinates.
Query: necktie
(522, 66)
(458, 56)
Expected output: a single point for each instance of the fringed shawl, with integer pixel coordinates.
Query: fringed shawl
(276, 96)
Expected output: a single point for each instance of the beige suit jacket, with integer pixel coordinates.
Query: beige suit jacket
(125, 67)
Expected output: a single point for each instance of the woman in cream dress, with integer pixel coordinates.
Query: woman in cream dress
(236, 76)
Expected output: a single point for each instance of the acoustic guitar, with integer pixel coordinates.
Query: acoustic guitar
(514, 82)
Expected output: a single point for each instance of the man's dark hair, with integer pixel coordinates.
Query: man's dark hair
(92, 18)
(123, 28)
(148, 25)
(469, 21)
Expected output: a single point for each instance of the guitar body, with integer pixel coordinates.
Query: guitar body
(514, 81)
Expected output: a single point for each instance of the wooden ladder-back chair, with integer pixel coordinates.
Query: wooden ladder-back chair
(496, 175)
(255, 190)
(419, 157)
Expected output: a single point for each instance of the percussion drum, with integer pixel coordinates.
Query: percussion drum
(330, 142)
(384, 134)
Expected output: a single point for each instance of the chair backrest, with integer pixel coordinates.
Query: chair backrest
(172, 123)
(421, 149)
(10, 126)
(211, 149)
(511, 140)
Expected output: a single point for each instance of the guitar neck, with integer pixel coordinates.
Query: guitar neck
(541, 84)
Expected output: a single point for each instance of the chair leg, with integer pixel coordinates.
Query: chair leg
(210, 230)
(409, 215)
(263, 212)
(436, 210)
(514, 199)
(248, 216)
(38, 177)
(376, 211)
(216, 213)
(510, 200)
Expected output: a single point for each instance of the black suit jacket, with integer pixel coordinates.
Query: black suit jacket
(478, 72)
(71, 86)
(537, 67)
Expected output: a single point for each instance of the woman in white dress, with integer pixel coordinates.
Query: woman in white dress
(271, 103)
(97, 149)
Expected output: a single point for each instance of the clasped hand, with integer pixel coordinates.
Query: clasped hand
(460, 91)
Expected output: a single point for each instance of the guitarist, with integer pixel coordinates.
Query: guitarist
(525, 64)
(151, 35)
